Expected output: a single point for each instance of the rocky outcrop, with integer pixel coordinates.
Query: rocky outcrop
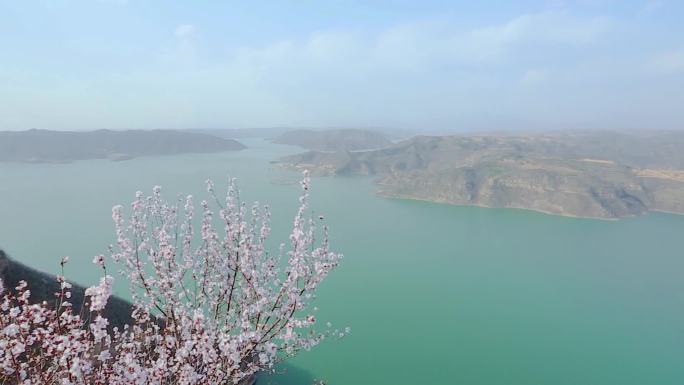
(578, 174)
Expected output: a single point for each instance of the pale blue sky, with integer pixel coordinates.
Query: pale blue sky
(423, 64)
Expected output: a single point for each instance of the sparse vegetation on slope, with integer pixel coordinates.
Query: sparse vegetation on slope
(587, 174)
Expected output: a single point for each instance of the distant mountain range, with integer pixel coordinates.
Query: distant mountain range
(598, 174)
(67, 146)
(323, 136)
(242, 133)
(347, 139)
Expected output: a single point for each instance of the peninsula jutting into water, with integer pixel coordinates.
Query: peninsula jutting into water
(597, 174)
(45, 146)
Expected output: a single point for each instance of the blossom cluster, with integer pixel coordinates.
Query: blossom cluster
(213, 306)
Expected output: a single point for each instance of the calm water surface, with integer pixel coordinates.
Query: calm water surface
(434, 294)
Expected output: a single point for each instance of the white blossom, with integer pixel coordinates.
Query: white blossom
(100, 294)
(99, 260)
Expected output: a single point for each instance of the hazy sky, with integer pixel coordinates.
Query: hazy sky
(79, 64)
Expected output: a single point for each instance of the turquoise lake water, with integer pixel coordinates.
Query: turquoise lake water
(434, 294)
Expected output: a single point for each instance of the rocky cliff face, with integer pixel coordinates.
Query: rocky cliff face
(563, 192)
(584, 174)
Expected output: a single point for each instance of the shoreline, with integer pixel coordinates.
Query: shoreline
(612, 219)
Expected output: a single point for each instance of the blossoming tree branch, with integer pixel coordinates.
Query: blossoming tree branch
(211, 304)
